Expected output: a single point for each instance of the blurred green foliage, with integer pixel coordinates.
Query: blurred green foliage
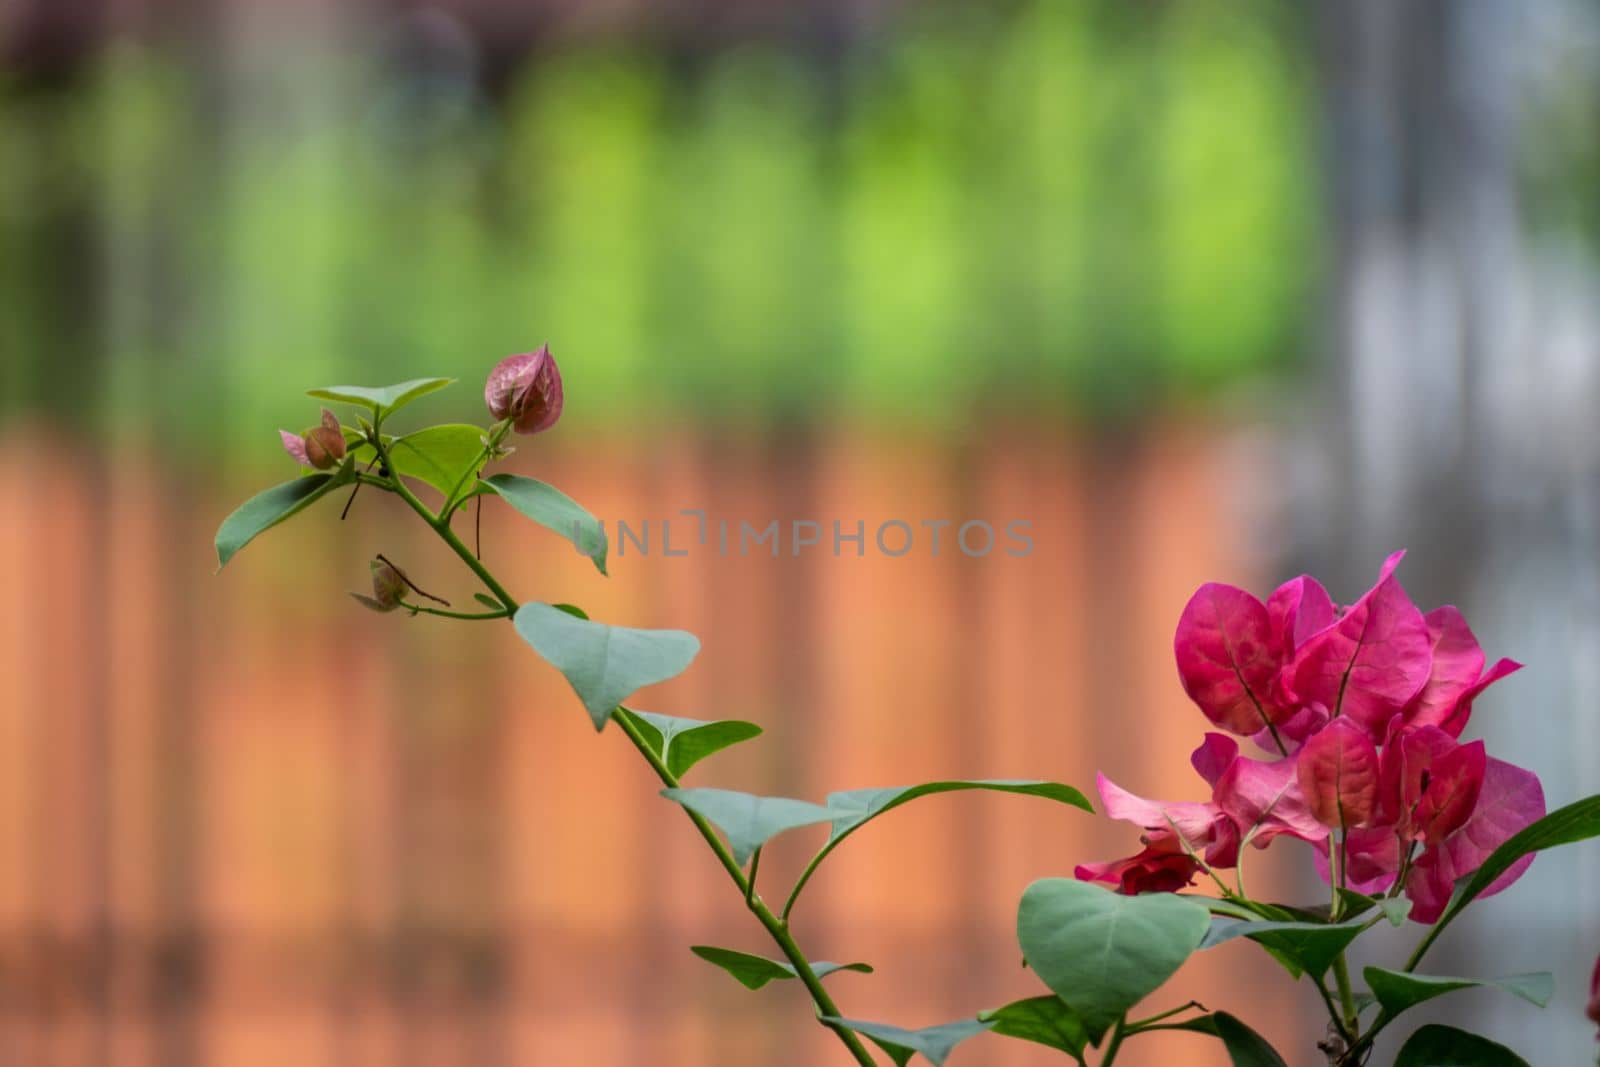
(1039, 208)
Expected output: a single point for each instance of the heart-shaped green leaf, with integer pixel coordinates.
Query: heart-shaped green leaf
(604, 664)
(381, 399)
(1103, 952)
(855, 808)
(554, 510)
(749, 821)
(1445, 1046)
(934, 1042)
(266, 509)
(444, 457)
(1311, 946)
(1246, 1048)
(682, 743)
(1043, 1020)
(753, 972)
(1578, 821)
(1398, 991)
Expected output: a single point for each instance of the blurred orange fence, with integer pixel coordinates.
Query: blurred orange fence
(243, 822)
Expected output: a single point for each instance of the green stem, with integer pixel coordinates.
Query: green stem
(776, 928)
(1152, 1023)
(750, 879)
(1118, 1032)
(800, 883)
(1333, 1012)
(1347, 1000)
(416, 609)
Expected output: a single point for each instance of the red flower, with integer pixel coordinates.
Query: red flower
(526, 389)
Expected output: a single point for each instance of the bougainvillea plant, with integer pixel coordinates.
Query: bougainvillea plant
(1356, 711)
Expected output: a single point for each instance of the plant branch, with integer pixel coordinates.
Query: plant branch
(775, 927)
(481, 616)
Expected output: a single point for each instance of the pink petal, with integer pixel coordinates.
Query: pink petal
(1338, 773)
(1213, 756)
(1193, 820)
(1226, 658)
(1458, 660)
(507, 377)
(1372, 661)
(295, 445)
(1511, 799)
(1371, 859)
(1264, 800)
(1457, 720)
(1297, 609)
(330, 421)
(1454, 783)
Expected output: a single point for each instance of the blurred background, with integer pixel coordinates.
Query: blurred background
(1200, 290)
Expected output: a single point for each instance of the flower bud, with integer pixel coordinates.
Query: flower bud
(526, 389)
(321, 447)
(388, 586)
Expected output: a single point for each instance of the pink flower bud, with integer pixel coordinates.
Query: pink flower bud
(526, 389)
(388, 586)
(321, 447)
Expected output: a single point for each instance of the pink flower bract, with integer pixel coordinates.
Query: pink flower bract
(1227, 658)
(526, 389)
(1338, 773)
(1372, 661)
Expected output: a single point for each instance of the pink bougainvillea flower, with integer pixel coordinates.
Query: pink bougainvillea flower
(1338, 775)
(1175, 835)
(321, 447)
(1510, 799)
(1228, 659)
(1161, 867)
(1457, 675)
(526, 389)
(1264, 800)
(1371, 662)
(1203, 827)
(1429, 783)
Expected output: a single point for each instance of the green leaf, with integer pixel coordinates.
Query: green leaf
(855, 807)
(381, 399)
(684, 742)
(749, 821)
(604, 664)
(265, 510)
(1246, 1048)
(1103, 952)
(1445, 1046)
(934, 1042)
(1398, 991)
(1043, 1020)
(554, 510)
(756, 971)
(1578, 821)
(442, 456)
(1311, 946)
(487, 601)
